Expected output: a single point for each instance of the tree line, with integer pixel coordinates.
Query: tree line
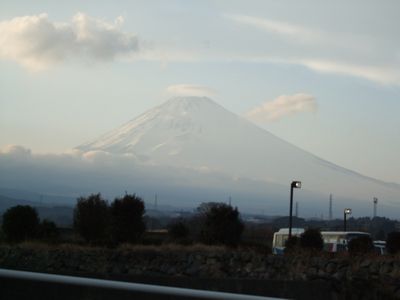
(22, 222)
(96, 221)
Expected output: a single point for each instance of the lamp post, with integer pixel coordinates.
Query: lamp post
(347, 211)
(375, 204)
(293, 185)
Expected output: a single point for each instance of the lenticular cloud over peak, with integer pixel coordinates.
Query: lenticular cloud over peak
(190, 90)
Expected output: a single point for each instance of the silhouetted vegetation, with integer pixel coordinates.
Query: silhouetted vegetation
(48, 231)
(2, 236)
(257, 237)
(312, 239)
(292, 244)
(127, 224)
(179, 232)
(91, 218)
(124, 221)
(360, 245)
(393, 242)
(20, 223)
(220, 224)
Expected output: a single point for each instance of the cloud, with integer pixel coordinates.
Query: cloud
(16, 151)
(386, 75)
(359, 55)
(277, 27)
(97, 156)
(383, 75)
(283, 106)
(190, 90)
(37, 43)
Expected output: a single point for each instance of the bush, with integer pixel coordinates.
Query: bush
(2, 236)
(20, 223)
(220, 224)
(91, 218)
(47, 230)
(393, 242)
(292, 244)
(360, 245)
(127, 224)
(178, 232)
(312, 239)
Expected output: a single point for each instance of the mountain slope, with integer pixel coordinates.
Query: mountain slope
(197, 133)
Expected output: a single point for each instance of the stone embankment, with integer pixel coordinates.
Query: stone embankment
(346, 277)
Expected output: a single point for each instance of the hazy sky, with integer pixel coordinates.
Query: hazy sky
(323, 76)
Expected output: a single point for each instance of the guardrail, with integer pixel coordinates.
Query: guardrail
(125, 286)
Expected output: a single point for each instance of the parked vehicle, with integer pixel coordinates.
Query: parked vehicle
(337, 241)
(380, 247)
(334, 241)
(280, 238)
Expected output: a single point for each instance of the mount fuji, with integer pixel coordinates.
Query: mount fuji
(197, 134)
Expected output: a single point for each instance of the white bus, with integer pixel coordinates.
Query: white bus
(280, 238)
(337, 241)
(334, 241)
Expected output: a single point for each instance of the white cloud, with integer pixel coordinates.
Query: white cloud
(351, 54)
(283, 106)
(36, 42)
(190, 90)
(380, 74)
(98, 156)
(277, 27)
(16, 151)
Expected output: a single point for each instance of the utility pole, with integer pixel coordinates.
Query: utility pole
(155, 202)
(330, 207)
(375, 205)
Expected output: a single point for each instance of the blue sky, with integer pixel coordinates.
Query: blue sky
(323, 76)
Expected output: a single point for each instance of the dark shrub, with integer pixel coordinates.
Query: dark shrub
(47, 230)
(393, 242)
(20, 223)
(360, 245)
(2, 236)
(312, 239)
(292, 244)
(127, 223)
(178, 230)
(220, 224)
(91, 218)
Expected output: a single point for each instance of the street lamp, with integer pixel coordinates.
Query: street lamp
(375, 204)
(347, 211)
(293, 185)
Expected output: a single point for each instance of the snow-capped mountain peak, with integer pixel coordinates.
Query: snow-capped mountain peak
(171, 123)
(197, 133)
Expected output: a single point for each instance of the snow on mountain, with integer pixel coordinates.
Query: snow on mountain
(197, 133)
